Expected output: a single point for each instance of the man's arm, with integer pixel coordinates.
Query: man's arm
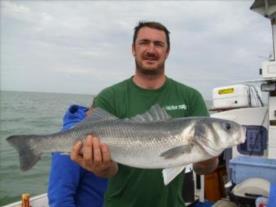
(206, 166)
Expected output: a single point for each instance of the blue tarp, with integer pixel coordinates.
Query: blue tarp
(202, 204)
(272, 196)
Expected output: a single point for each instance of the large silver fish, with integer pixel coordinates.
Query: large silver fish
(150, 140)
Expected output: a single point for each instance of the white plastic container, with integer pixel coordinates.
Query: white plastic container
(232, 96)
(269, 70)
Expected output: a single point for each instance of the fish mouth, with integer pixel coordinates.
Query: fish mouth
(242, 136)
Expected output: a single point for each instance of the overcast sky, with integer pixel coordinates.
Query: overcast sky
(84, 46)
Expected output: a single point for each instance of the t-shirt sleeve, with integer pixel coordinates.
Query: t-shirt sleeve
(198, 106)
(105, 100)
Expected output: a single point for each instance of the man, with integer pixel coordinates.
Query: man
(134, 187)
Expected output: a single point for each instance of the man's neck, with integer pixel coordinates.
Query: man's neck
(149, 81)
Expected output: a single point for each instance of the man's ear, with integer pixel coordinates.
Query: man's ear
(168, 52)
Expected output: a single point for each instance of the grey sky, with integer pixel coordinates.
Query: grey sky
(84, 46)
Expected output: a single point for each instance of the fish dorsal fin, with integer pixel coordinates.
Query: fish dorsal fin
(155, 113)
(99, 114)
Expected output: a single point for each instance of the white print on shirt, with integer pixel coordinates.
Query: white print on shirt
(176, 107)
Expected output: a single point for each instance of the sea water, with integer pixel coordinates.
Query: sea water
(29, 113)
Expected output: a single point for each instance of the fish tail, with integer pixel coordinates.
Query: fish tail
(28, 155)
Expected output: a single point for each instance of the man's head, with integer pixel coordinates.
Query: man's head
(153, 25)
(150, 47)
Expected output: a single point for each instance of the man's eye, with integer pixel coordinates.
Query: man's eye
(159, 44)
(143, 43)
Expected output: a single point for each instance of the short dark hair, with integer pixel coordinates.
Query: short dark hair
(154, 25)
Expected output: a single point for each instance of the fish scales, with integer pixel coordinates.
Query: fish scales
(150, 140)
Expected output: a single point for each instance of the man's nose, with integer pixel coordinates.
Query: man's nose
(151, 48)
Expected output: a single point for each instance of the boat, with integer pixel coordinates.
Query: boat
(251, 166)
(241, 103)
(35, 201)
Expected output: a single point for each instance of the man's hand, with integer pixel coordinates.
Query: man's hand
(206, 167)
(95, 157)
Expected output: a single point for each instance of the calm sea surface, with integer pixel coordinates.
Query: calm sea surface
(25, 113)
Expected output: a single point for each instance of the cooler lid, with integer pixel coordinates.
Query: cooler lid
(252, 187)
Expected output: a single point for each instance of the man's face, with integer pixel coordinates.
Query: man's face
(150, 50)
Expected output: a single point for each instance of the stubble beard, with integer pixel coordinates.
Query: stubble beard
(150, 72)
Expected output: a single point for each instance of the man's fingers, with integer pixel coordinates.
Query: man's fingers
(97, 155)
(88, 151)
(75, 152)
(105, 153)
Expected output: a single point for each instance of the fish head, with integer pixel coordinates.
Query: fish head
(229, 132)
(219, 133)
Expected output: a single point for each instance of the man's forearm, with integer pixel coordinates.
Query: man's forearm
(109, 172)
(206, 166)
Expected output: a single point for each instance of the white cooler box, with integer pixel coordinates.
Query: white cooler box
(232, 96)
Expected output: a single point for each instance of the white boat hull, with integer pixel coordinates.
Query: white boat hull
(36, 201)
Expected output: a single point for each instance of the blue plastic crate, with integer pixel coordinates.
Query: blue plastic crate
(256, 141)
(244, 167)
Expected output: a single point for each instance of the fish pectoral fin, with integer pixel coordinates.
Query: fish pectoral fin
(176, 151)
(170, 173)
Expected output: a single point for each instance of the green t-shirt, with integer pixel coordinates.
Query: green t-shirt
(133, 187)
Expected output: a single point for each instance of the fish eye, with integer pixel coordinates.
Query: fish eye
(227, 126)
